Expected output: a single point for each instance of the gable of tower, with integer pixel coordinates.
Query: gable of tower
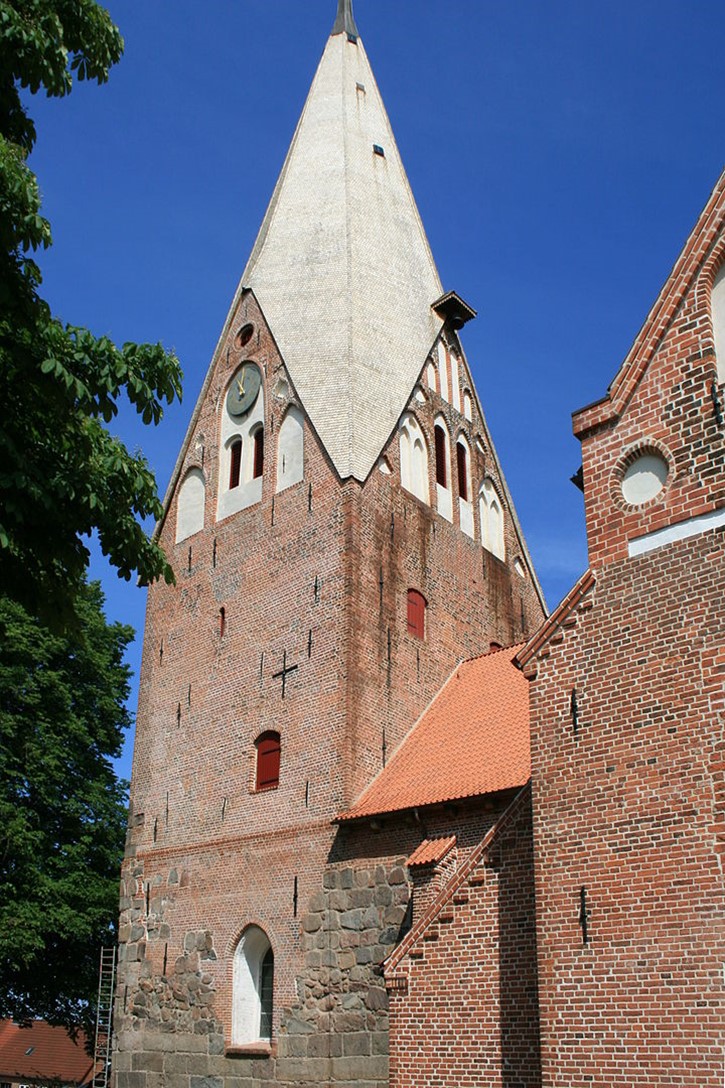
(652, 447)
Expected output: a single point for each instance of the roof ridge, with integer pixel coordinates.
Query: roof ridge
(457, 879)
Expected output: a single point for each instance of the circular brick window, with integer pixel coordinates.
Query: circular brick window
(644, 476)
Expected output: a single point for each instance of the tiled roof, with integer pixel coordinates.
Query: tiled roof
(473, 739)
(42, 1052)
(431, 851)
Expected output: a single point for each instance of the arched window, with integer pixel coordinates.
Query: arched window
(413, 458)
(269, 750)
(416, 613)
(258, 458)
(718, 321)
(492, 523)
(444, 496)
(190, 505)
(463, 466)
(235, 463)
(290, 449)
(441, 455)
(252, 988)
(431, 376)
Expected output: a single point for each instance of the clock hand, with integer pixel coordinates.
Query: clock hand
(240, 385)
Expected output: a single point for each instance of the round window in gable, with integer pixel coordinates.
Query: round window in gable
(244, 336)
(644, 477)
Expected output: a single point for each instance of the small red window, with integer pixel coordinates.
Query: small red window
(268, 756)
(235, 463)
(441, 466)
(258, 453)
(462, 458)
(416, 613)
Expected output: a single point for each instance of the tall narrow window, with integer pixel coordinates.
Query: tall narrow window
(266, 990)
(462, 462)
(258, 466)
(441, 456)
(416, 613)
(235, 463)
(467, 406)
(252, 988)
(269, 750)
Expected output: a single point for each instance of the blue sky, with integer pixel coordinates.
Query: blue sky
(559, 153)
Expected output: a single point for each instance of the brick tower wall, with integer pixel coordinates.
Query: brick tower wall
(314, 577)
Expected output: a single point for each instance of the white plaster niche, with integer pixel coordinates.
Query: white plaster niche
(718, 321)
(190, 505)
(644, 477)
(291, 449)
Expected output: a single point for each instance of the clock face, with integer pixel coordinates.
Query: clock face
(244, 389)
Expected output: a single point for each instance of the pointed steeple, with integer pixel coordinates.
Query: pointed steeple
(341, 266)
(345, 21)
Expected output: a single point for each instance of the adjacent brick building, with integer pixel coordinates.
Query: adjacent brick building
(345, 863)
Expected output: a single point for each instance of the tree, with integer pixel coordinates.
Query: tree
(60, 481)
(62, 810)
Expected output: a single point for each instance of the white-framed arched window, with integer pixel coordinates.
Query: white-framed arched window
(463, 471)
(467, 406)
(492, 523)
(442, 449)
(190, 505)
(291, 449)
(718, 322)
(252, 988)
(413, 458)
(430, 376)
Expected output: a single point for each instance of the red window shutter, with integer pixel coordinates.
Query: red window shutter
(462, 457)
(416, 613)
(235, 464)
(269, 751)
(258, 453)
(441, 466)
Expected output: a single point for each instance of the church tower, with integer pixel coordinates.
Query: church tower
(342, 536)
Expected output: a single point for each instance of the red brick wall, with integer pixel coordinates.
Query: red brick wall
(463, 1007)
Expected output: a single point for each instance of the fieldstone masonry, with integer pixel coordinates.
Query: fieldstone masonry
(336, 1032)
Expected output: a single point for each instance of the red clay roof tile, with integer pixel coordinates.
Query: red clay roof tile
(41, 1052)
(473, 739)
(431, 851)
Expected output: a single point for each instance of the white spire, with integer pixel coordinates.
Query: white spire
(341, 266)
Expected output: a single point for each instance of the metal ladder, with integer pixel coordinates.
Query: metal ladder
(104, 1017)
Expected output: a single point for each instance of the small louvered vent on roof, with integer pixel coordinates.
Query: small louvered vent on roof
(378, 150)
